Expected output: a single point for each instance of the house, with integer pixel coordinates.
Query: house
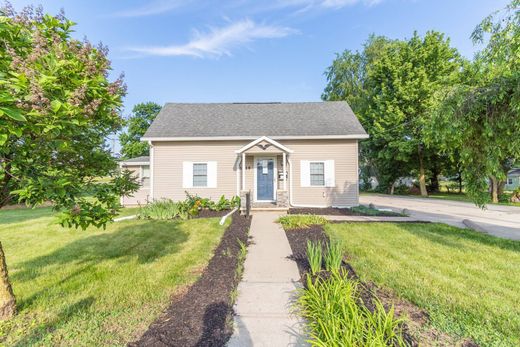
(513, 179)
(284, 154)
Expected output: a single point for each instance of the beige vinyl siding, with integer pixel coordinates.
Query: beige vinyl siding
(345, 156)
(169, 156)
(142, 195)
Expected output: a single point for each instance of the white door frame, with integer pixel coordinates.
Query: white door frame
(275, 177)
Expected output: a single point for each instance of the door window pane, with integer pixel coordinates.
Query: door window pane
(317, 174)
(200, 175)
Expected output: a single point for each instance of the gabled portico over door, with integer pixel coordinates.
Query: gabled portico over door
(263, 172)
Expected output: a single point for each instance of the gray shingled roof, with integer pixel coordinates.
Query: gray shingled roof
(255, 120)
(514, 172)
(143, 159)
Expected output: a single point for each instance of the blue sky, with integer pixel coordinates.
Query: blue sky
(244, 50)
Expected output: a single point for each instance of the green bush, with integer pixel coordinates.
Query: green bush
(333, 256)
(189, 207)
(314, 256)
(336, 315)
(297, 221)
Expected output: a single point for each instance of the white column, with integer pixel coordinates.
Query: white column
(283, 171)
(238, 174)
(243, 171)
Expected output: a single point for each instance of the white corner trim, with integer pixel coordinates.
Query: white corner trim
(151, 169)
(266, 139)
(228, 138)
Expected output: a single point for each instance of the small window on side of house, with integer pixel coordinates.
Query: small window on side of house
(317, 172)
(200, 174)
(509, 181)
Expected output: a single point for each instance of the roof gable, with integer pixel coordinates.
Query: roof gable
(254, 120)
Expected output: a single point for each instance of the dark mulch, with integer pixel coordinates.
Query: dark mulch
(210, 213)
(336, 211)
(202, 316)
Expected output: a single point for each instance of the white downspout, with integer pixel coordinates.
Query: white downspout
(238, 174)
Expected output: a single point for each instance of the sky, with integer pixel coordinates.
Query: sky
(250, 51)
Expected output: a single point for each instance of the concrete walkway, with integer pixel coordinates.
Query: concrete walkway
(267, 290)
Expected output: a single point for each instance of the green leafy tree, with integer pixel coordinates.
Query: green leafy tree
(142, 116)
(393, 86)
(56, 109)
(481, 117)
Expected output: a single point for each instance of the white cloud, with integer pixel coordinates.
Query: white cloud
(152, 8)
(334, 4)
(218, 41)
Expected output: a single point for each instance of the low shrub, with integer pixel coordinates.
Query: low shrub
(334, 256)
(336, 315)
(314, 256)
(166, 209)
(189, 207)
(297, 221)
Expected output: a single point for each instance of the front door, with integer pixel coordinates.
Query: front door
(265, 179)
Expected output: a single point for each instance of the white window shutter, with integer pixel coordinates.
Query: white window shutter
(212, 174)
(330, 174)
(305, 173)
(187, 174)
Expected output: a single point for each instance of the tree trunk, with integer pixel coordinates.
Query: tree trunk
(422, 175)
(392, 188)
(460, 182)
(7, 300)
(494, 189)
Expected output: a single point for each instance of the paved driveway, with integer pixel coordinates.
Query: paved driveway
(498, 220)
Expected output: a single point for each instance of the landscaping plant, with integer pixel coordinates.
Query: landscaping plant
(334, 256)
(314, 256)
(336, 315)
(297, 221)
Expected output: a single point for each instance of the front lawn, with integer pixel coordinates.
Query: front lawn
(97, 287)
(468, 282)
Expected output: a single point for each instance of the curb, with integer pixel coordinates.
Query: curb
(472, 225)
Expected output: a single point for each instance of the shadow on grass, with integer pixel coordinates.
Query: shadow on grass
(455, 237)
(19, 215)
(145, 241)
(38, 333)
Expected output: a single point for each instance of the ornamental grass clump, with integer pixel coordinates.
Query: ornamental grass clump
(314, 256)
(336, 315)
(334, 256)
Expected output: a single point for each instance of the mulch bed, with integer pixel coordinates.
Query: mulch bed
(332, 211)
(211, 214)
(202, 316)
(415, 332)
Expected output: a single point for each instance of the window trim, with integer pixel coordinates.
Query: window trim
(322, 162)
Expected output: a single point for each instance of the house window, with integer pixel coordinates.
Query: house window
(200, 174)
(317, 171)
(510, 181)
(145, 175)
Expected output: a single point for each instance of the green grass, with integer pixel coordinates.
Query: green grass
(467, 281)
(367, 211)
(296, 221)
(97, 287)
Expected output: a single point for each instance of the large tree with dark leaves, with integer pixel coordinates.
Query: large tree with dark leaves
(57, 106)
(393, 86)
(481, 117)
(142, 116)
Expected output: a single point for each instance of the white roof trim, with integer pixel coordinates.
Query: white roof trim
(266, 139)
(221, 138)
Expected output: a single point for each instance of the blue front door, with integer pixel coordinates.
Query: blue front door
(265, 179)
